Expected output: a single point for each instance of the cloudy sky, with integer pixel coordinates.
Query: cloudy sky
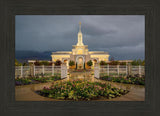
(123, 36)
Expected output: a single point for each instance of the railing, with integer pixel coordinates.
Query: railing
(27, 71)
(121, 70)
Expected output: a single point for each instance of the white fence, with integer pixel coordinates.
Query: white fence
(138, 70)
(121, 70)
(21, 71)
(27, 71)
(61, 71)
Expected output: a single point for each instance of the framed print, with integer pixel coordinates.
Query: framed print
(79, 58)
(87, 72)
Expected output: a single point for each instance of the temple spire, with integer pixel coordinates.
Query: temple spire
(80, 38)
(79, 26)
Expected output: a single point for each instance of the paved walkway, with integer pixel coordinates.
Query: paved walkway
(27, 92)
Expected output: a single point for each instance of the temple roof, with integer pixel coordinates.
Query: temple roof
(62, 52)
(97, 52)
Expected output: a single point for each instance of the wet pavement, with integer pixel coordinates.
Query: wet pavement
(27, 92)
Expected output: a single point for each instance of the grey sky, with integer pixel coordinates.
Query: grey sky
(120, 35)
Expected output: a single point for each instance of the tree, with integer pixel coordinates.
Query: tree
(71, 63)
(45, 63)
(112, 58)
(143, 62)
(25, 64)
(134, 62)
(17, 63)
(89, 63)
(103, 63)
(37, 63)
(58, 63)
(138, 62)
(114, 63)
(122, 63)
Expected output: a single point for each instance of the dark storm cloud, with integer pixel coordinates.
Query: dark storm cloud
(120, 35)
(94, 30)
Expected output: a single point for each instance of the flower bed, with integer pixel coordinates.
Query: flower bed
(127, 80)
(80, 70)
(81, 90)
(35, 80)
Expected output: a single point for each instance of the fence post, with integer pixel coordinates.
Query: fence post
(126, 70)
(52, 70)
(118, 69)
(63, 70)
(34, 70)
(108, 69)
(96, 70)
(21, 71)
(43, 69)
(129, 69)
(140, 70)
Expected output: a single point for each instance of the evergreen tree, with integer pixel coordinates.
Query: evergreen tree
(17, 63)
(103, 63)
(89, 63)
(71, 63)
(58, 63)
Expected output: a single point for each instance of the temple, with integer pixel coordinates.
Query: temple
(80, 54)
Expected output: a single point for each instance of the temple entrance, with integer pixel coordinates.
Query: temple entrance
(80, 62)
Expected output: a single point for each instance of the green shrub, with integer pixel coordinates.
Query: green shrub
(138, 62)
(46, 63)
(103, 63)
(114, 63)
(128, 80)
(122, 63)
(17, 63)
(89, 63)
(71, 63)
(34, 80)
(58, 63)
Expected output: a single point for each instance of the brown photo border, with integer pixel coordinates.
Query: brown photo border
(10, 8)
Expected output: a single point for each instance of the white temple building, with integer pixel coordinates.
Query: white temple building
(80, 54)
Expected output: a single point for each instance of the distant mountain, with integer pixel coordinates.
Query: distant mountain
(24, 56)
